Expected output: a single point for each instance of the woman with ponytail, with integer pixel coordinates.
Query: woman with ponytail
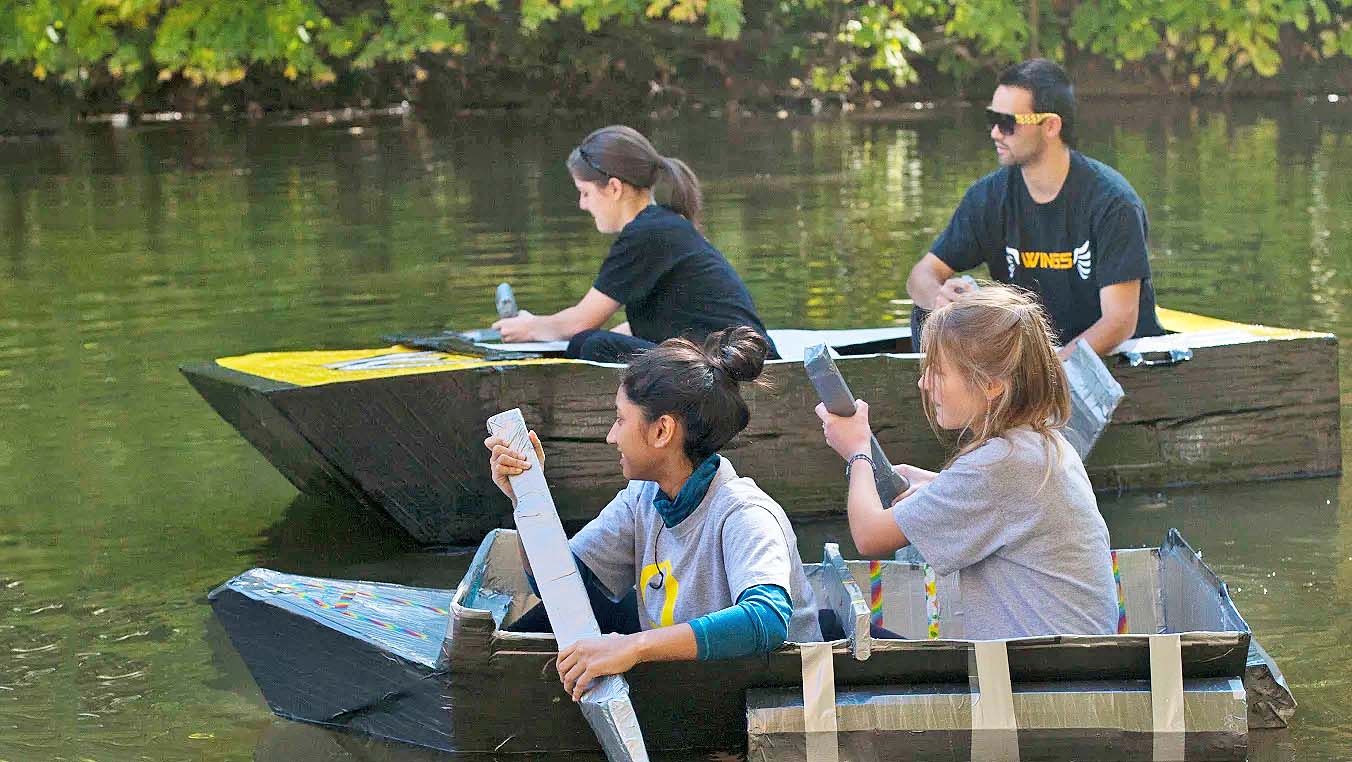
(713, 558)
(1013, 510)
(669, 279)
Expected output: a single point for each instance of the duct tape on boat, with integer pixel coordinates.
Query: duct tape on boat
(1166, 697)
(393, 361)
(819, 702)
(995, 730)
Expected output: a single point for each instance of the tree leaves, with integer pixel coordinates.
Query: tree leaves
(835, 46)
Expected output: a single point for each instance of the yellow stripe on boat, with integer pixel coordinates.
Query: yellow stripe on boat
(1187, 322)
(316, 368)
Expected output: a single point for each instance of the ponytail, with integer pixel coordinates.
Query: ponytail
(686, 197)
(624, 154)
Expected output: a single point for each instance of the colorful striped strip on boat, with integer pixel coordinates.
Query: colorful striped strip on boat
(1121, 601)
(346, 596)
(931, 601)
(875, 584)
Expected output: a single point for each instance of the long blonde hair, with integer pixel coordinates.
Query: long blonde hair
(999, 335)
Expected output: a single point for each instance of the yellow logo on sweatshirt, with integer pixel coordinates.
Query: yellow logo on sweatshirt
(670, 589)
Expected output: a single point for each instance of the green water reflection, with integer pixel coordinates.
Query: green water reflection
(123, 499)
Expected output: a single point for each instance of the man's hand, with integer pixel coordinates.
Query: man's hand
(590, 658)
(951, 290)
(927, 277)
(846, 436)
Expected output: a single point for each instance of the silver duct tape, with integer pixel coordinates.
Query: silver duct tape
(1139, 571)
(914, 601)
(1166, 697)
(606, 705)
(609, 711)
(993, 697)
(995, 729)
(835, 394)
(819, 702)
(844, 596)
(952, 619)
(819, 688)
(1094, 395)
(1069, 719)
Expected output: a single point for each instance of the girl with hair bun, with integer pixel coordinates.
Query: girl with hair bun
(712, 558)
(1013, 510)
(669, 279)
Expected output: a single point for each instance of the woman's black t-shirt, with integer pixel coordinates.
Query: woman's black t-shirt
(673, 282)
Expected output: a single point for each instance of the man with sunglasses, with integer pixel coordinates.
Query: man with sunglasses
(1050, 220)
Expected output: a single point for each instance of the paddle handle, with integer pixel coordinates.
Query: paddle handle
(505, 299)
(835, 395)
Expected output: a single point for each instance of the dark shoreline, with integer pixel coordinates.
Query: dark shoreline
(36, 108)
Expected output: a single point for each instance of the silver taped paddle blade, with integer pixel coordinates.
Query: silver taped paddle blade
(606, 705)
(610, 712)
(836, 396)
(826, 379)
(1094, 395)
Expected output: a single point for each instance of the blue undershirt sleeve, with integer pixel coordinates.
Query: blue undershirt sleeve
(758, 624)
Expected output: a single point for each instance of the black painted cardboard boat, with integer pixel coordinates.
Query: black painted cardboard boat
(400, 430)
(436, 668)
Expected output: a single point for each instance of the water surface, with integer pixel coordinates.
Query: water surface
(124, 499)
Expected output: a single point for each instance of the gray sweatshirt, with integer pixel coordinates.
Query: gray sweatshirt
(1032, 558)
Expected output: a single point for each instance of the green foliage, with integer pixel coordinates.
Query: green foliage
(834, 46)
(1209, 40)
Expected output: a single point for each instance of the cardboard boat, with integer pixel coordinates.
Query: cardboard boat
(438, 668)
(399, 430)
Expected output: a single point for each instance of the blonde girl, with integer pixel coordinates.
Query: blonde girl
(1013, 510)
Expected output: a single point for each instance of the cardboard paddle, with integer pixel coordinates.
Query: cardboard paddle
(835, 394)
(605, 705)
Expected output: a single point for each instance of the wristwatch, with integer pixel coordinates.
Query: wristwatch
(857, 456)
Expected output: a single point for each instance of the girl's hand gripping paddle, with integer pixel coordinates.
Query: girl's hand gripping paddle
(835, 394)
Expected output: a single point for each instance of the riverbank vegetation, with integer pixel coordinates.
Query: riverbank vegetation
(269, 54)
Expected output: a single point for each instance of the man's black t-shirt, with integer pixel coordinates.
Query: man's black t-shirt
(672, 281)
(1093, 234)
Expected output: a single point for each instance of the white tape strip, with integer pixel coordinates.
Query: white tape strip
(995, 730)
(819, 702)
(993, 706)
(1166, 697)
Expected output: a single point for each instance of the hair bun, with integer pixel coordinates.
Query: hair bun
(738, 351)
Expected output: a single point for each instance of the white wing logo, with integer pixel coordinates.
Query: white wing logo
(1012, 259)
(1083, 260)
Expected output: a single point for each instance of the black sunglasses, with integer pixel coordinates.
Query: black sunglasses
(1007, 123)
